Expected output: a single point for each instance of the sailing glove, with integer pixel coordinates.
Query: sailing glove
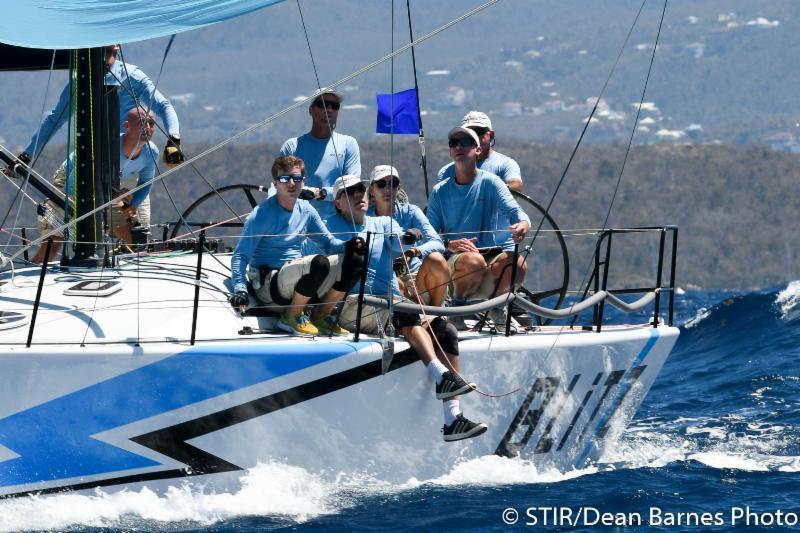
(356, 245)
(307, 194)
(172, 152)
(411, 236)
(238, 299)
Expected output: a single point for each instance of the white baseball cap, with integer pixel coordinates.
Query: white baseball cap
(345, 182)
(327, 90)
(461, 129)
(476, 119)
(383, 171)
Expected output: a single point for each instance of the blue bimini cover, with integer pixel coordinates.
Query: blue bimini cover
(65, 24)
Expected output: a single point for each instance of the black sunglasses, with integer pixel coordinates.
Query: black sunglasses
(287, 178)
(327, 103)
(353, 189)
(382, 184)
(465, 142)
(480, 131)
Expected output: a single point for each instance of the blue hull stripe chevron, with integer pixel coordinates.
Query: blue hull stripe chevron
(53, 440)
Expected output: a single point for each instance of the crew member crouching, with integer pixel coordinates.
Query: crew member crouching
(435, 343)
(268, 254)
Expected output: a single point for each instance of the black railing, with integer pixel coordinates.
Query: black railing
(602, 265)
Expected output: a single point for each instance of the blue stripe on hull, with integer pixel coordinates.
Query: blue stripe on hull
(625, 384)
(54, 440)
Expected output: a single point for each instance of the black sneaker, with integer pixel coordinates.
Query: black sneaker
(462, 428)
(452, 385)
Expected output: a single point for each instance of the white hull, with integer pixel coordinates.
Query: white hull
(113, 413)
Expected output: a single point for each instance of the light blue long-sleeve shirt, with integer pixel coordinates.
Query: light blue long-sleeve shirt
(326, 160)
(473, 210)
(409, 216)
(273, 235)
(133, 80)
(143, 164)
(384, 246)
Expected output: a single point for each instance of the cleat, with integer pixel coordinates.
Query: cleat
(297, 325)
(329, 326)
(463, 428)
(452, 385)
(499, 315)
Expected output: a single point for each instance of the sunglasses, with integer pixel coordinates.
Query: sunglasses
(322, 104)
(480, 131)
(464, 142)
(355, 189)
(287, 179)
(382, 184)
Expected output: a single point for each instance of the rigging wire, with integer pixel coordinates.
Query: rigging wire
(321, 97)
(652, 59)
(423, 160)
(36, 146)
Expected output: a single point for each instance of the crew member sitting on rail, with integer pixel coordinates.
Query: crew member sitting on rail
(464, 209)
(268, 253)
(351, 202)
(427, 267)
(138, 156)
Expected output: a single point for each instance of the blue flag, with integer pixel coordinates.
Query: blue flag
(406, 112)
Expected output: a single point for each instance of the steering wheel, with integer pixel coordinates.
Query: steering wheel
(226, 207)
(545, 268)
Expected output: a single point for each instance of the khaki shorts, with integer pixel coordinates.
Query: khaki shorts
(373, 319)
(409, 280)
(486, 287)
(142, 212)
(117, 218)
(285, 279)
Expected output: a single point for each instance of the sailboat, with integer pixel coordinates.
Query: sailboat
(123, 370)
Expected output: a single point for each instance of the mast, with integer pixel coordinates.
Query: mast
(97, 133)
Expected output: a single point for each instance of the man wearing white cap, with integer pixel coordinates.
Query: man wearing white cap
(327, 154)
(489, 159)
(464, 209)
(351, 201)
(426, 275)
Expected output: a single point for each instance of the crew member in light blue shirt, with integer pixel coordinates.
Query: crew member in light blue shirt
(327, 154)
(489, 159)
(138, 156)
(269, 254)
(426, 276)
(464, 209)
(441, 360)
(135, 88)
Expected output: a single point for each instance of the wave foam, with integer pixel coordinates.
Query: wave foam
(496, 470)
(789, 299)
(715, 442)
(701, 315)
(282, 491)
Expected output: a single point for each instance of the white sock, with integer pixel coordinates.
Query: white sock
(451, 411)
(436, 368)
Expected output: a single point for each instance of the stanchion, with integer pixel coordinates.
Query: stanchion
(200, 246)
(39, 290)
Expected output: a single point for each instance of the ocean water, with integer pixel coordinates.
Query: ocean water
(719, 434)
